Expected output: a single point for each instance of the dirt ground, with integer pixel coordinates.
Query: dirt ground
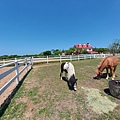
(9, 90)
(43, 96)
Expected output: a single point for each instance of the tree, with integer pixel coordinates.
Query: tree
(115, 47)
(57, 52)
(48, 52)
(63, 51)
(70, 51)
(84, 52)
(13, 56)
(101, 50)
(52, 51)
(4, 57)
(78, 50)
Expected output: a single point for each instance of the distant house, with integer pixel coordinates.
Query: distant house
(86, 47)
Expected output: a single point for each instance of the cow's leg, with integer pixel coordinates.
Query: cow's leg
(107, 73)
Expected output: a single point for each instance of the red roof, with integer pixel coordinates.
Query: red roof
(83, 46)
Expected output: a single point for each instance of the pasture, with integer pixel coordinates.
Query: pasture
(43, 96)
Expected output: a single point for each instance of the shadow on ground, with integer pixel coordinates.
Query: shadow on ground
(6, 103)
(107, 91)
(104, 75)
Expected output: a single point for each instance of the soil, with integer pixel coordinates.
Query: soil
(97, 103)
(9, 90)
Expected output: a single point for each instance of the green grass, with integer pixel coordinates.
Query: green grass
(43, 96)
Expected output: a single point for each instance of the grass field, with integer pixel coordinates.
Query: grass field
(43, 96)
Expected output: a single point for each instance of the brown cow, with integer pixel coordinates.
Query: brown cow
(109, 62)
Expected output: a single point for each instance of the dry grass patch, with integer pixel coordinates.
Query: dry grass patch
(100, 104)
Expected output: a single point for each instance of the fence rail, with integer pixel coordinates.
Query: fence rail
(68, 58)
(16, 64)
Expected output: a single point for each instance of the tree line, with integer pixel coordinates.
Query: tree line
(113, 48)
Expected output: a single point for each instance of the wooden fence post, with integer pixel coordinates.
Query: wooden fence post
(26, 65)
(31, 60)
(47, 59)
(3, 61)
(78, 57)
(70, 57)
(60, 59)
(84, 57)
(90, 56)
(17, 72)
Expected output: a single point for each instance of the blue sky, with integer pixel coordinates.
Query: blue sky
(34, 26)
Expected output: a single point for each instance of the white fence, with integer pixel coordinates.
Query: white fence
(68, 58)
(15, 65)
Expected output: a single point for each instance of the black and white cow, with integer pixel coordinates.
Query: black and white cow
(69, 70)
